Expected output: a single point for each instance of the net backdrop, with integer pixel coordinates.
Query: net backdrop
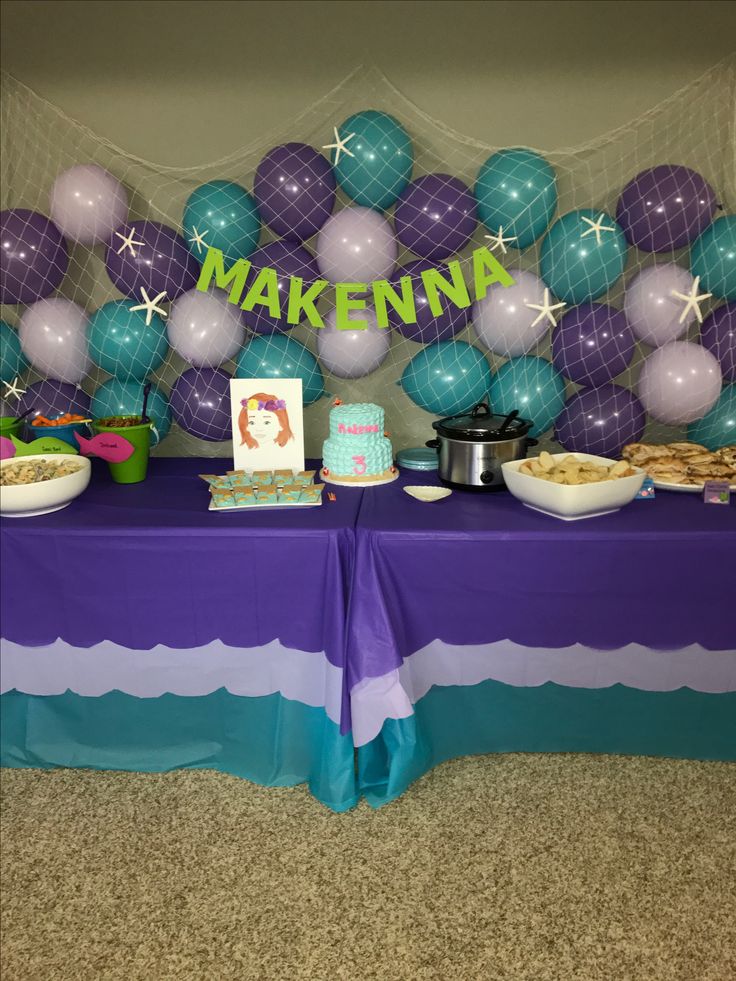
(695, 128)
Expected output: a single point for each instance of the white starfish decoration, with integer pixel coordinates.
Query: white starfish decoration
(497, 241)
(128, 242)
(545, 309)
(596, 227)
(339, 145)
(13, 389)
(198, 238)
(693, 299)
(150, 306)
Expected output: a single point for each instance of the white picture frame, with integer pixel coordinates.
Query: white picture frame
(268, 424)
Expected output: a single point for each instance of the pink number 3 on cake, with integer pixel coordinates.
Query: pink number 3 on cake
(357, 451)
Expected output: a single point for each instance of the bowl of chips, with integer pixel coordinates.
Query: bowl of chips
(39, 484)
(572, 486)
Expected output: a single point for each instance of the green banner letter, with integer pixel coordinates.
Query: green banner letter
(214, 267)
(487, 270)
(404, 305)
(456, 290)
(344, 303)
(302, 304)
(265, 293)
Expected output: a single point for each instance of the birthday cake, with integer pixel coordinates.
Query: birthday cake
(357, 450)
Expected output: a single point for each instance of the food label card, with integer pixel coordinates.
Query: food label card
(268, 423)
(716, 492)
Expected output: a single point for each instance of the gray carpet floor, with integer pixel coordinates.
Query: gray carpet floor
(505, 868)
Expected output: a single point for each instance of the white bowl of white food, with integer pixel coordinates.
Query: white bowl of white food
(36, 492)
(582, 496)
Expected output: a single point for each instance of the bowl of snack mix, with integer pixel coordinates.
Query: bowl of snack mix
(38, 484)
(572, 486)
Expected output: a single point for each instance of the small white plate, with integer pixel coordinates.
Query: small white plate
(427, 494)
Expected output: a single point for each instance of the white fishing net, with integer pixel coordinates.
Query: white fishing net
(517, 346)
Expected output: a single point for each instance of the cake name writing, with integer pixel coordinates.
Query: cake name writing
(355, 430)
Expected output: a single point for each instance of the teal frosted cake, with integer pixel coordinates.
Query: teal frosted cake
(357, 449)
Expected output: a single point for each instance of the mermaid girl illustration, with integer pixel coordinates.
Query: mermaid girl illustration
(264, 421)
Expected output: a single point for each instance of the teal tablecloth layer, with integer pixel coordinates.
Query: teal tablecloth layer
(492, 717)
(270, 740)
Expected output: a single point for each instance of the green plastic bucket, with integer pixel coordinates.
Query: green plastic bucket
(134, 469)
(10, 426)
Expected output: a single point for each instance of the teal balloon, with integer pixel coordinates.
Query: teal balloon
(572, 263)
(516, 191)
(382, 161)
(279, 356)
(225, 216)
(713, 258)
(122, 343)
(532, 386)
(12, 362)
(125, 398)
(718, 427)
(447, 377)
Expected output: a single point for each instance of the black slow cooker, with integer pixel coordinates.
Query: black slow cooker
(473, 446)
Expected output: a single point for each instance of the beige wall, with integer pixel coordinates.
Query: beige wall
(182, 83)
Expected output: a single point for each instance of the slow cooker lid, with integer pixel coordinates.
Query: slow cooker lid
(481, 425)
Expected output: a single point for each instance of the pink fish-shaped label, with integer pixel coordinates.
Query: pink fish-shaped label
(7, 450)
(107, 446)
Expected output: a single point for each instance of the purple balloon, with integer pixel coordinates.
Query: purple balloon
(718, 335)
(435, 216)
(665, 207)
(156, 260)
(34, 256)
(600, 421)
(295, 190)
(428, 328)
(200, 403)
(288, 259)
(592, 344)
(52, 399)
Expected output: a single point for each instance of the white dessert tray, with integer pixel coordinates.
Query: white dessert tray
(268, 507)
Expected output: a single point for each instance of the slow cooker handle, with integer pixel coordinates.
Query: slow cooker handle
(530, 441)
(481, 409)
(433, 444)
(507, 421)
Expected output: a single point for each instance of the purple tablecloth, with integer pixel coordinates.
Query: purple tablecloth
(475, 568)
(147, 564)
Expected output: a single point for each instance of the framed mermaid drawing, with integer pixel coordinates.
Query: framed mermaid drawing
(268, 423)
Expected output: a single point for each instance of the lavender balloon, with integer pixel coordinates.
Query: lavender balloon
(435, 216)
(600, 421)
(53, 335)
(679, 383)
(294, 187)
(88, 204)
(665, 207)
(651, 307)
(427, 328)
(204, 328)
(200, 403)
(34, 256)
(718, 335)
(353, 353)
(356, 245)
(148, 255)
(592, 344)
(288, 259)
(53, 399)
(505, 322)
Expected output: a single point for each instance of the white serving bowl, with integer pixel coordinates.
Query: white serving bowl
(572, 502)
(45, 496)
(427, 493)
